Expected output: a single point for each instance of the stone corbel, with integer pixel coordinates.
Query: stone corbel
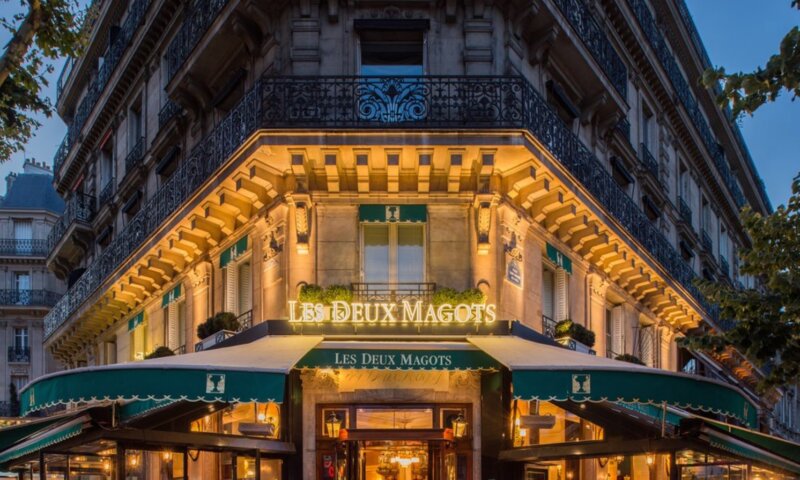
(590, 106)
(540, 44)
(248, 32)
(515, 227)
(302, 222)
(483, 222)
(200, 275)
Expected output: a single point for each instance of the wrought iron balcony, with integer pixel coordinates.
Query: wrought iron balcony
(393, 292)
(24, 247)
(18, 354)
(167, 113)
(624, 128)
(135, 156)
(659, 45)
(28, 298)
(649, 161)
(106, 194)
(594, 38)
(412, 103)
(80, 208)
(705, 240)
(200, 15)
(685, 211)
(548, 326)
(118, 46)
(724, 266)
(245, 320)
(180, 350)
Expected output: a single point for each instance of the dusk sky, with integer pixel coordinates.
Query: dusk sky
(738, 34)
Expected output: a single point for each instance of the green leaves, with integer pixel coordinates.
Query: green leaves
(766, 318)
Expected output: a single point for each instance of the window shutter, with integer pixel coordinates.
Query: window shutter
(646, 351)
(172, 326)
(617, 331)
(245, 288)
(547, 294)
(562, 305)
(181, 336)
(231, 282)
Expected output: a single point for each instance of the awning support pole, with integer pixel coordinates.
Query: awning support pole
(663, 419)
(258, 465)
(119, 468)
(42, 475)
(673, 467)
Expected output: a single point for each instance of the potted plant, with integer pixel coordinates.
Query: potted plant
(627, 357)
(453, 297)
(336, 293)
(311, 293)
(160, 352)
(215, 329)
(575, 336)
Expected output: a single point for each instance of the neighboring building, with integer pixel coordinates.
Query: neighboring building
(558, 156)
(29, 289)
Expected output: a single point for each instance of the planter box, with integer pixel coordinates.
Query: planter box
(573, 344)
(212, 340)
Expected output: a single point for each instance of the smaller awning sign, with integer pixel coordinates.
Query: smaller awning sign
(400, 359)
(393, 213)
(231, 253)
(136, 321)
(171, 296)
(559, 258)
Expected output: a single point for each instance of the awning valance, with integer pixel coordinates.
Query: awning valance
(545, 372)
(254, 372)
(231, 253)
(171, 296)
(397, 356)
(49, 437)
(135, 321)
(393, 213)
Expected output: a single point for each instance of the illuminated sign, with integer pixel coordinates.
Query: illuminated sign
(404, 313)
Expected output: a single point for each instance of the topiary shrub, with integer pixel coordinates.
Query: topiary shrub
(627, 357)
(311, 293)
(453, 297)
(159, 353)
(337, 293)
(219, 322)
(575, 331)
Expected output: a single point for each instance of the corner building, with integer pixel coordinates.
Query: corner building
(400, 203)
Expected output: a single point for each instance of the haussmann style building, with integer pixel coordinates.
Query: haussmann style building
(403, 240)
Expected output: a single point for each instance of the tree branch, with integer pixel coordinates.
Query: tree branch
(21, 41)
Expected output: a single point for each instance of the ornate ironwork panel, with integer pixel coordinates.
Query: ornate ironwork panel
(26, 247)
(106, 194)
(685, 211)
(393, 292)
(199, 17)
(548, 326)
(79, 208)
(169, 111)
(649, 161)
(23, 298)
(19, 354)
(135, 156)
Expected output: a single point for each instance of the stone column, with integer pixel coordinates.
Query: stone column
(198, 300)
(596, 314)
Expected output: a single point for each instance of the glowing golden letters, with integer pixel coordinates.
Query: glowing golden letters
(391, 313)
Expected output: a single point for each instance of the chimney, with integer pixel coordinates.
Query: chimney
(32, 166)
(10, 181)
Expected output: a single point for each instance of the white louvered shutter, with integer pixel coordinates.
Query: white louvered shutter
(562, 295)
(231, 284)
(646, 353)
(172, 326)
(245, 288)
(547, 294)
(617, 330)
(181, 323)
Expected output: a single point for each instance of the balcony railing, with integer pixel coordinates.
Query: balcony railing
(167, 113)
(245, 320)
(705, 241)
(28, 298)
(135, 156)
(79, 208)
(393, 292)
(200, 15)
(594, 38)
(548, 326)
(649, 161)
(89, 20)
(724, 266)
(24, 247)
(18, 354)
(413, 103)
(624, 127)
(106, 194)
(127, 30)
(684, 92)
(180, 350)
(685, 211)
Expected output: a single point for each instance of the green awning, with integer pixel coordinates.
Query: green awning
(779, 446)
(545, 372)
(230, 253)
(398, 356)
(171, 296)
(13, 434)
(559, 258)
(732, 443)
(136, 321)
(44, 440)
(253, 372)
(393, 213)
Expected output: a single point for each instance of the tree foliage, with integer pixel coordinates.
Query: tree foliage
(41, 32)
(746, 92)
(765, 319)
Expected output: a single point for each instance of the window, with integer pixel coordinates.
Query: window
(615, 331)
(394, 253)
(134, 124)
(540, 423)
(685, 186)
(238, 286)
(21, 338)
(705, 217)
(138, 341)
(555, 294)
(23, 233)
(22, 283)
(19, 381)
(106, 165)
(392, 52)
(648, 345)
(647, 129)
(175, 325)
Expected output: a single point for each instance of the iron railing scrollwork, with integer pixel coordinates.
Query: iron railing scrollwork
(649, 161)
(25, 298)
(596, 41)
(199, 17)
(106, 194)
(548, 326)
(135, 156)
(27, 247)
(394, 292)
(413, 103)
(19, 354)
(127, 30)
(705, 241)
(683, 90)
(168, 112)
(245, 321)
(685, 211)
(624, 127)
(724, 266)
(79, 208)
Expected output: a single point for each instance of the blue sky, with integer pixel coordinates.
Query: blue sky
(738, 34)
